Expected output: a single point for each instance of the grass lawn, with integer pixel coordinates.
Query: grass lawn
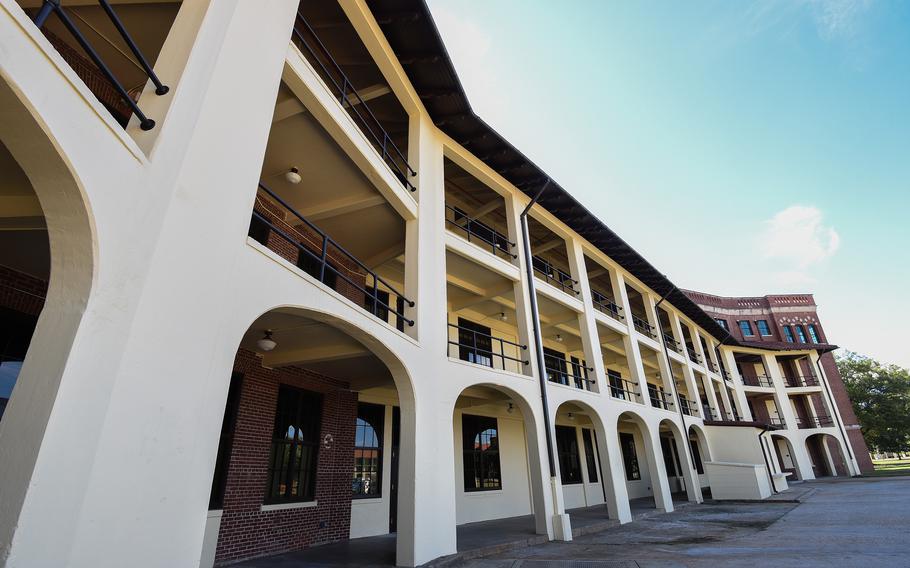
(891, 467)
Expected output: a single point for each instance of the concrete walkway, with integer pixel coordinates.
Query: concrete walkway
(845, 523)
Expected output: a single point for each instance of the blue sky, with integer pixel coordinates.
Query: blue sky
(780, 128)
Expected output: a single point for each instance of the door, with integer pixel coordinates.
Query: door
(393, 467)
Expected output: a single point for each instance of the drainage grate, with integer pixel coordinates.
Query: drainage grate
(577, 564)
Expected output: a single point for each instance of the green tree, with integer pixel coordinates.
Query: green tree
(881, 398)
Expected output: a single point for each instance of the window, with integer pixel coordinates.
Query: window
(367, 480)
(788, 333)
(616, 386)
(480, 444)
(569, 459)
(588, 438)
(763, 328)
(696, 457)
(722, 323)
(555, 363)
(671, 463)
(746, 328)
(800, 333)
(225, 443)
(309, 262)
(629, 456)
(813, 333)
(579, 372)
(295, 446)
(474, 343)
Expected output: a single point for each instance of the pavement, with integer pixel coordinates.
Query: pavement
(861, 522)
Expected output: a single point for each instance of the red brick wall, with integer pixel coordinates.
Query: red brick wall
(248, 532)
(21, 292)
(854, 434)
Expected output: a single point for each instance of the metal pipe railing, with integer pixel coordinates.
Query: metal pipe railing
(367, 121)
(757, 381)
(54, 7)
(475, 351)
(606, 305)
(557, 370)
(671, 343)
(801, 381)
(624, 389)
(555, 276)
(371, 292)
(642, 326)
(496, 241)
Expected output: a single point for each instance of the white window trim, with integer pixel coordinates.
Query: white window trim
(287, 506)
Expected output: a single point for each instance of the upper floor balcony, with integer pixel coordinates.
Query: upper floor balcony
(820, 421)
(606, 305)
(797, 381)
(474, 343)
(568, 370)
(603, 295)
(550, 258)
(642, 326)
(659, 398)
(763, 381)
(622, 389)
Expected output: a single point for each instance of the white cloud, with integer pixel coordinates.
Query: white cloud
(837, 18)
(795, 240)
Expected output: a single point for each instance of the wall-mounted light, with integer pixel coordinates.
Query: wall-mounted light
(571, 417)
(293, 176)
(267, 343)
(511, 408)
(558, 338)
(503, 316)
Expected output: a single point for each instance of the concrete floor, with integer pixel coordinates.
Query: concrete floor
(844, 523)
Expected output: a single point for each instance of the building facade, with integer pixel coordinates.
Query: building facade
(267, 282)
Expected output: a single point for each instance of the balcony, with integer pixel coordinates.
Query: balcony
(671, 343)
(554, 276)
(113, 64)
(568, 373)
(710, 413)
(689, 407)
(693, 355)
(478, 233)
(777, 421)
(659, 398)
(605, 304)
(279, 227)
(820, 421)
(757, 381)
(713, 366)
(801, 381)
(486, 350)
(643, 327)
(622, 389)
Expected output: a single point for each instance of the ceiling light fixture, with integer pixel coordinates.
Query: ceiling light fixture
(293, 176)
(511, 408)
(266, 343)
(503, 316)
(571, 417)
(558, 338)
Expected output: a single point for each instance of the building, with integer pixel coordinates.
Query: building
(264, 286)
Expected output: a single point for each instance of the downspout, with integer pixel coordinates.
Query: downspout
(835, 414)
(682, 416)
(535, 319)
(764, 454)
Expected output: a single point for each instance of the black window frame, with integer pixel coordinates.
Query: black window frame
(556, 366)
(589, 439)
(226, 442)
(696, 457)
(480, 461)
(569, 455)
(370, 416)
(629, 456)
(475, 343)
(305, 409)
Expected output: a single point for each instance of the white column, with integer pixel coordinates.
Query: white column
(617, 492)
(660, 485)
(742, 403)
(523, 313)
(587, 325)
(630, 342)
(785, 409)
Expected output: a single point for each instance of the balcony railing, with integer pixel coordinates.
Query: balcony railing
(321, 257)
(479, 233)
(757, 381)
(606, 305)
(710, 413)
(689, 407)
(567, 373)
(554, 276)
(481, 348)
(105, 86)
(624, 390)
(713, 366)
(356, 106)
(693, 355)
(801, 381)
(660, 399)
(643, 327)
(820, 421)
(776, 421)
(671, 343)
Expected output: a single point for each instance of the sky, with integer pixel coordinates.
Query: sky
(743, 148)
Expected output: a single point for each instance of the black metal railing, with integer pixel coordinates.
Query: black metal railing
(710, 413)
(689, 407)
(376, 291)
(606, 305)
(54, 7)
(563, 372)
(776, 421)
(348, 96)
(660, 399)
(555, 276)
(642, 326)
(479, 348)
(479, 233)
(671, 343)
(725, 375)
(820, 421)
(693, 355)
(713, 366)
(757, 381)
(624, 390)
(801, 381)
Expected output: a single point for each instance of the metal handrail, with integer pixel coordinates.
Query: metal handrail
(801, 381)
(709, 412)
(643, 327)
(562, 279)
(775, 421)
(820, 421)
(689, 407)
(54, 7)
(671, 343)
(713, 366)
(327, 241)
(693, 355)
(564, 376)
(346, 89)
(757, 381)
(492, 354)
(466, 227)
(626, 391)
(606, 305)
(662, 399)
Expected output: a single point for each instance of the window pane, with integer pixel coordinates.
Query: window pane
(480, 450)
(788, 333)
(295, 446)
(629, 456)
(586, 437)
(745, 327)
(800, 334)
(569, 458)
(763, 328)
(367, 479)
(813, 333)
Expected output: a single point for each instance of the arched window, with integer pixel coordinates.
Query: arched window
(367, 480)
(480, 443)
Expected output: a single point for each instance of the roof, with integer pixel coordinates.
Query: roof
(413, 36)
(784, 346)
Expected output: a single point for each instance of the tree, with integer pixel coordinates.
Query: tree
(881, 398)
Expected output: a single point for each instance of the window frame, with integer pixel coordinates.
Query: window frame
(722, 323)
(364, 408)
(589, 439)
(629, 458)
(308, 406)
(813, 333)
(486, 456)
(788, 334)
(800, 334)
(747, 327)
(568, 454)
(758, 327)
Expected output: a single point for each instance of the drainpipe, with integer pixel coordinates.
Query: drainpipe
(682, 416)
(834, 413)
(562, 528)
(764, 454)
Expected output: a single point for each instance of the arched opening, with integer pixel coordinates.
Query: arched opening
(498, 474)
(583, 464)
(309, 448)
(638, 456)
(701, 453)
(826, 456)
(786, 457)
(676, 457)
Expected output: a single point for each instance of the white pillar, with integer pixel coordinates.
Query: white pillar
(660, 485)
(617, 492)
(785, 409)
(587, 325)
(630, 342)
(742, 401)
